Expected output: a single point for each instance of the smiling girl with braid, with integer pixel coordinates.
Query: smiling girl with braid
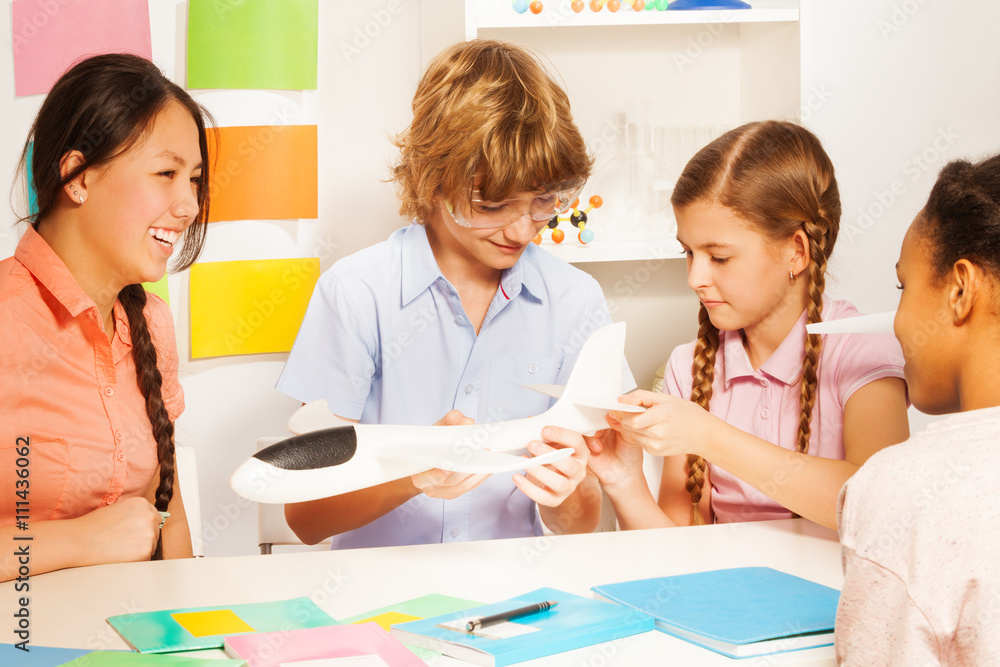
(758, 420)
(89, 391)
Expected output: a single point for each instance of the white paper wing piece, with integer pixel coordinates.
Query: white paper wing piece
(471, 462)
(877, 323)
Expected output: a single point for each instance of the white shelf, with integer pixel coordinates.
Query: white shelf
(574, 252)
(557, 13)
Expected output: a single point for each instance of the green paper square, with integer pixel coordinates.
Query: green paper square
(270, 44)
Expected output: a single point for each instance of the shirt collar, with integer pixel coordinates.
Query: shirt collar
(784, 365)
(49, 270)
(420, 269)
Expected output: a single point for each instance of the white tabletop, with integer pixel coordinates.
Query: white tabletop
(69, 608)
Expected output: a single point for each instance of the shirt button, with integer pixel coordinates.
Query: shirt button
(763, 383)
(533, 368)
(124, 329)
(109, 391)
(118, 435)
(454, 532)
(121, 456)
(764, 413)
(468, 389)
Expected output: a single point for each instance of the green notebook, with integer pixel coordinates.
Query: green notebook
(196, 628)
(432, 604)
(130, 659)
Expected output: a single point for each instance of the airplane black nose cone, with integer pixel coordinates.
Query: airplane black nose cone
(317, 449)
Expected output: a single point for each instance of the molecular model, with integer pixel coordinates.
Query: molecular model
(577, 218)
(521, 6)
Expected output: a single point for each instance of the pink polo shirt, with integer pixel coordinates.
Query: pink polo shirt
(73, 392)
(765, 402)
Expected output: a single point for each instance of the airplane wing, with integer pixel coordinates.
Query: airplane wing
(552, 390)
(556, 391)
(603, 404)
(446, 457)
(877, 323)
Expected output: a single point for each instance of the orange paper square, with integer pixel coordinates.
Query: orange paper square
(263, 172)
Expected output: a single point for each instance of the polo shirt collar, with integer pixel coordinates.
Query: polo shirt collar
(784, 365)
(49, 270)
(526, 275)
(420, 270)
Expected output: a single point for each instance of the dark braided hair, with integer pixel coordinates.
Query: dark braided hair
(101, 107)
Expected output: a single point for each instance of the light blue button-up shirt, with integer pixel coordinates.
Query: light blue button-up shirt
(386, 340)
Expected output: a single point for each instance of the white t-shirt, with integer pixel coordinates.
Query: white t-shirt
(920, 530)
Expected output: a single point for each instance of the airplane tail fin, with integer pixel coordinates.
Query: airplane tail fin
(314, 416)
(596, 379)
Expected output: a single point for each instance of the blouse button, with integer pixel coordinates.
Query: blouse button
(109, 391)
(469, 388)
(124, 329)
(121, 456)
(533, 368)
(455, 532)
(118, 435)
(764, 413)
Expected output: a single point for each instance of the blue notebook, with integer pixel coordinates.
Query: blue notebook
(741, 612)
(574, 622)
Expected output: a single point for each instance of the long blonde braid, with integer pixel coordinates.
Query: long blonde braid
(703, 374)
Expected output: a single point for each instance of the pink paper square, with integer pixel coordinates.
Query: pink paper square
(49, 36)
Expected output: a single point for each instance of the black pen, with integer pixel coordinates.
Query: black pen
(480, 621)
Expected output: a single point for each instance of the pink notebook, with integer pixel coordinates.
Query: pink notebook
(330, 644)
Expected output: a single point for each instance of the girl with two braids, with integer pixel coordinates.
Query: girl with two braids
(758, 420)
(118, 160)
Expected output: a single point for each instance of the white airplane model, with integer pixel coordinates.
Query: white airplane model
(331, 456)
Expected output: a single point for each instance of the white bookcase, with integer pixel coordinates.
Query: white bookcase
(718, 67)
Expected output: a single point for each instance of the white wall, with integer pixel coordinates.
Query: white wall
(888, 98)
(897, 90)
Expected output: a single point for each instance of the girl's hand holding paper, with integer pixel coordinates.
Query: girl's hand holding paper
(669, 426)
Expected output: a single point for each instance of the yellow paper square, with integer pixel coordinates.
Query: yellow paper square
(209, 623)
(249, 306)
(389, 618)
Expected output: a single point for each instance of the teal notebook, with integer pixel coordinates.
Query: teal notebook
(205, 627)
(740, 612)
(37, 656)
(572, 623)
